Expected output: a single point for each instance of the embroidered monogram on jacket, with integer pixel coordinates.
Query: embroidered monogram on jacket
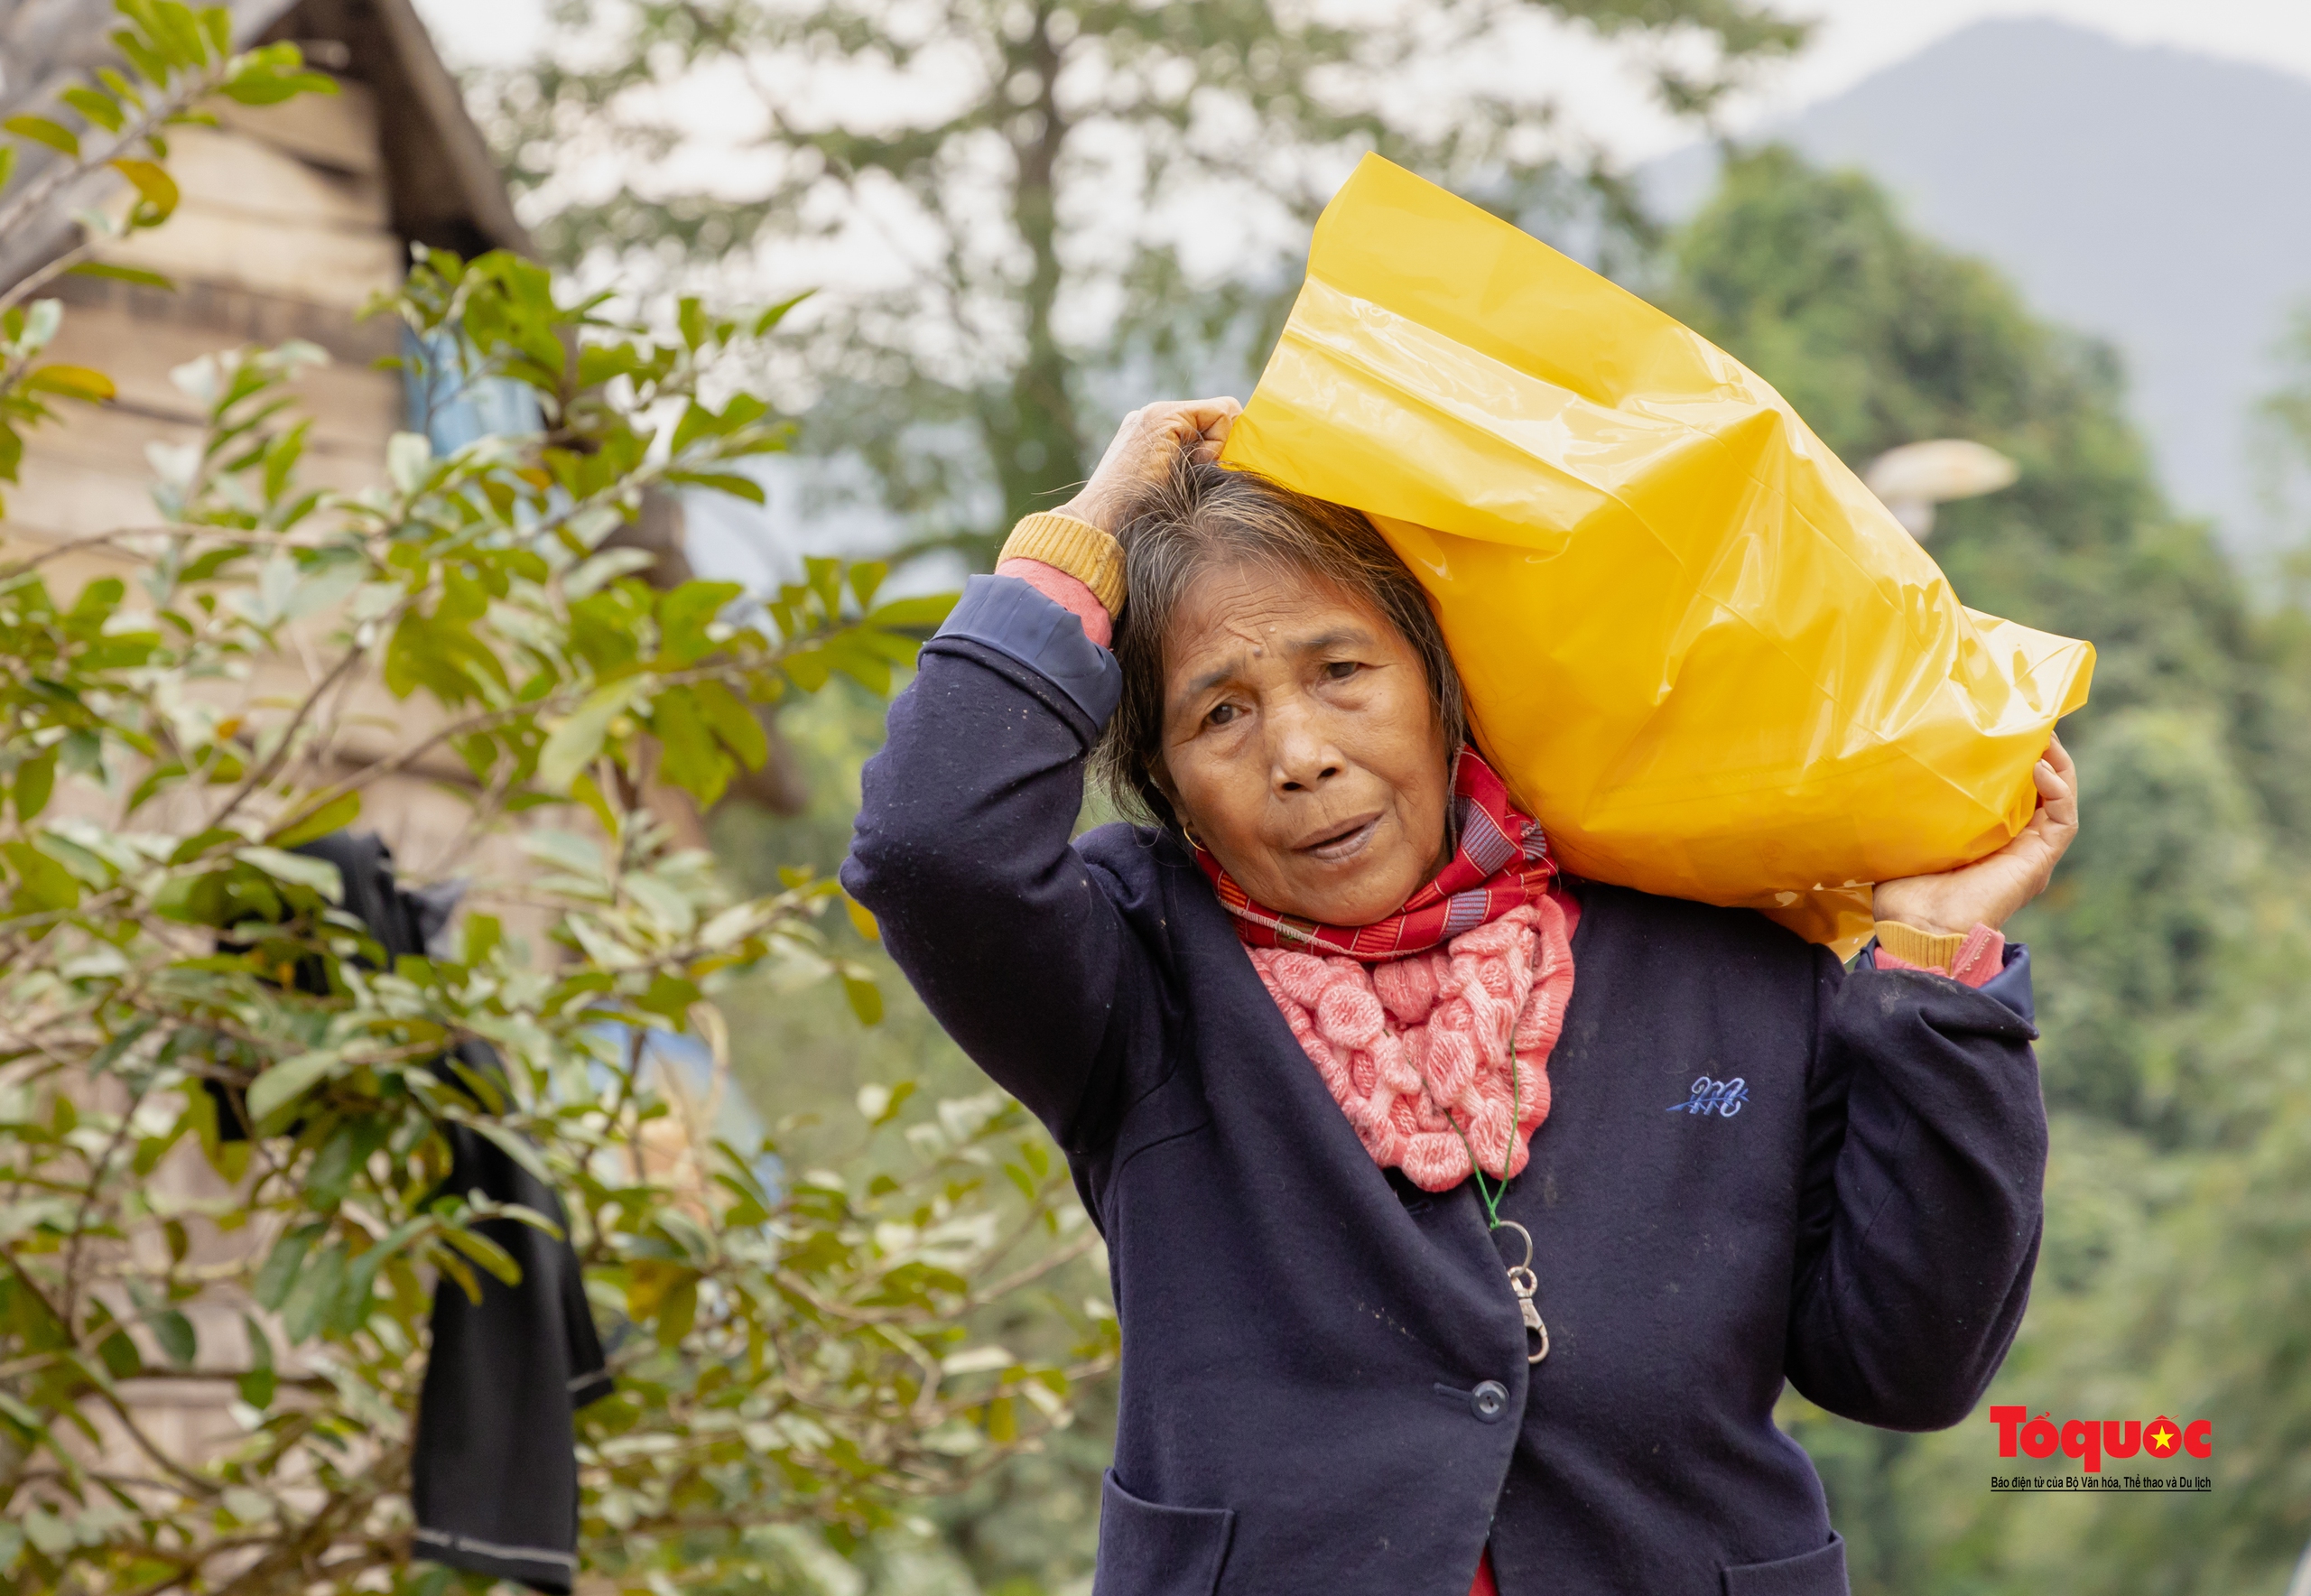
(1724, 1097)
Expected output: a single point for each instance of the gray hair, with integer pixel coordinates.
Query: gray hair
(1201, 516)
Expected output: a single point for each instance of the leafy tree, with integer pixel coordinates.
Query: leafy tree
(1030, 1525)
(796, 1355)
(2283, 420)
(2168, 951)
(1045, 203)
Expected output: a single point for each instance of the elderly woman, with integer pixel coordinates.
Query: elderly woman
(1465, 1219)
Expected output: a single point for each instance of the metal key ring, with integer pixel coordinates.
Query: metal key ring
(1522, 1281)
(1527, 1235)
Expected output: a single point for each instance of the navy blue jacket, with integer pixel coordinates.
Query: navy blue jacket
(1325, 1384)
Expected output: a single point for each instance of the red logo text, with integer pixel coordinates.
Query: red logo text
(2090, 1440)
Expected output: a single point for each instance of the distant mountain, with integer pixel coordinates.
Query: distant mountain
(2158, 198)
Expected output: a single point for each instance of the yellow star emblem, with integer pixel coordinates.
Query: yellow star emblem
(2162, 1438)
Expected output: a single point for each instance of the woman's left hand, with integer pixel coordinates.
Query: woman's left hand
(1989, 890)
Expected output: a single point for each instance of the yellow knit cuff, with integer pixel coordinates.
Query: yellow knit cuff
(1908, 943)
(1076, 547)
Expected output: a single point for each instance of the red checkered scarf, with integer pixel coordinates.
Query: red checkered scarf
(1432, 1028)
(1501, 863)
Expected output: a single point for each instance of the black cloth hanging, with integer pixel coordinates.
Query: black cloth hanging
(495, 1475)
(495, 1484)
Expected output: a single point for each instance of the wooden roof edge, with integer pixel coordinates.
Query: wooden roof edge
(483, 188)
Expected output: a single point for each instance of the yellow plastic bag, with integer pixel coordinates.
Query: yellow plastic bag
(1695, 644)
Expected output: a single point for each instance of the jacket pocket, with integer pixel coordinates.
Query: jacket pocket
(1818, 1572)
(1148, 1550)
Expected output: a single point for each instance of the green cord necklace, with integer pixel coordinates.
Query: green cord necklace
(1522, 1281)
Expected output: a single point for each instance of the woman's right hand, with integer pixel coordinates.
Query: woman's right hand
(1142, 451)
(1990, 890)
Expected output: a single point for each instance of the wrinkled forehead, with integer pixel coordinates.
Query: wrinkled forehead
(1245, 615)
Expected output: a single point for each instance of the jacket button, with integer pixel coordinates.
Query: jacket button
(1489, 1400)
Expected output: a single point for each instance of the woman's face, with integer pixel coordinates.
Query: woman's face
(1301, 744)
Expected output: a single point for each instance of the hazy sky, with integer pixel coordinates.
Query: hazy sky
(1855, 39)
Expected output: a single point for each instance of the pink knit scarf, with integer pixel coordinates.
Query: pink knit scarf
(1442, 1053)
(1418, 1053)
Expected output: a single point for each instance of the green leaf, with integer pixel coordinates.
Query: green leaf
(157, 187)
(601, 569)
(41, 131)
(27, 1419)
(50, 1533)
(777, 313)
(330, 1174)
(573, 745)
(517, 1149)
(117, 1352)
(42, 885)
(299, 869)
(866, 997)
(337, 813)
(824, 576)
(1002, 1421)
(151, 65)
(74, 382)
(686, 612)
(482, 1250)
(121, 88)
(270, 87)
(287, 1080)
(175, 1332)
(99, 108)
(259, 1383)
(408, 460)
(41, 319)
(282, 1266)
(690, 757)
(926, 611)
(734, 721)
(567, 850)
(847, 652)
(105, 1057)
(201, 844)
(357, 1296)
(806, 668)
(314, 1295)
(193, 899)
(136, 275)
(483, 933)
(880, 1104)
(730, 482)
(35, 779)
(677, 1311)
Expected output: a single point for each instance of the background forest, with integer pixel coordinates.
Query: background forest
(1013, 265)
